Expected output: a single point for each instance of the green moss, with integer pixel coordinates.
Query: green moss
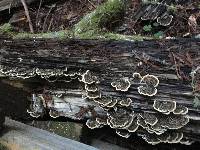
(3, 147)
(63, 34)
(196, 102)
(102, 15)
(6, 29)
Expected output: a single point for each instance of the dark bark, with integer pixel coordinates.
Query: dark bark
(172, 61)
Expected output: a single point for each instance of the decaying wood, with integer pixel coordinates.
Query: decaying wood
(174, 62)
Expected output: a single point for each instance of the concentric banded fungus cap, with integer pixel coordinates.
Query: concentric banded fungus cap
(133, 126)
(149, 118)
(112, 104)
(54, 113)
(102, 121)
(151, 139)
(141, 122)
(91, 87)
(126, 102)
(123, 133)
(149, 84)
(150, 80)
(147, 90)
(180, 109)
(136, 78)
(165, 19)
(34, 114)
(121, 84)
(93, 95)
(120, 118)
(164, 106)
(174, 121)
(175, 137)
(104, 101)
(158, 129)
(88, 78)
(92, 124)
(186, 141)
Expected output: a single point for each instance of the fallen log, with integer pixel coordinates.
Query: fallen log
(103, 79)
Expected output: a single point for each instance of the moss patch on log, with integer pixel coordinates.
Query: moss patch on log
(89, 27)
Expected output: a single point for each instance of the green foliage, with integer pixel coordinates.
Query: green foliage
(3, 147)
(159, 35)
(103, 14)
(196, 102)
(147, 28)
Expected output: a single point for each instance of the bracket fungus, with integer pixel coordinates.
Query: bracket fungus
(112, 104)
(133, 126)
(91, 87)
(136, 78)
(164, 106)
(92, 124)
(148, 85)
(122, 84)
(54, 113)
(165, 19)
(180, 110)
(93, 95)
(104, 101)
(47, 73)
(36, 107)
(126, 102)
(149, 118)
(102, 121)
(89, 78)
(16, 72)
(123, 133)
(174, 121)
(167, 137)
(120, 118)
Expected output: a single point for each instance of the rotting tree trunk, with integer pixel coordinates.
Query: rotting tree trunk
(172, 61)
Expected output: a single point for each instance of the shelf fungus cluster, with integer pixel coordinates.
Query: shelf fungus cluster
(167, 137)
(118, 112)
(147, 85)
(51, 75)
(155, 11)
(91, 85)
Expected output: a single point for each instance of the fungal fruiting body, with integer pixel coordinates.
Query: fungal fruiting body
(121, 84)
(165, 19)
(36, 107)
(148, 85)
(164, 106)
